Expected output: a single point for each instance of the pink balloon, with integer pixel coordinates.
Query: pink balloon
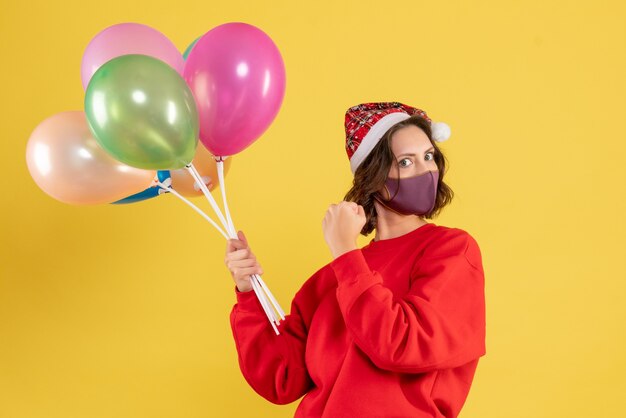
(237, 76)
(124, 39)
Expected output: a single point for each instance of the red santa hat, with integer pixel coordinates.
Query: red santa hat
(367, 123)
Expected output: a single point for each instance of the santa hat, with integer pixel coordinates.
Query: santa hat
(366, 124)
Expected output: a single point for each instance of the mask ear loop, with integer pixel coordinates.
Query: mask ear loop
(398, 179)
(385, 186)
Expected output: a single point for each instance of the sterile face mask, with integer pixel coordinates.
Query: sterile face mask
(412, 195)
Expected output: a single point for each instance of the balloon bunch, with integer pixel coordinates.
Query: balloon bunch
(146, 107)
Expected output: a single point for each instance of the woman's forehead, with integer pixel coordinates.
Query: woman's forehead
(410, 139)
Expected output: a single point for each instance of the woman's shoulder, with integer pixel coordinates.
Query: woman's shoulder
(451, 238)
(448, 240)
(451, 232)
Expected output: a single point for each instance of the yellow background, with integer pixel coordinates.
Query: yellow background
(122, 311)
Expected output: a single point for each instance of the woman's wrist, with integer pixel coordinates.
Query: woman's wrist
(244, 288)
(339, 251)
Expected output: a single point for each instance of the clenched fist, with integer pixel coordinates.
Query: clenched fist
(241, 262)
(342, 224)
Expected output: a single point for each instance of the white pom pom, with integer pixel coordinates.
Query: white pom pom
(440, 131)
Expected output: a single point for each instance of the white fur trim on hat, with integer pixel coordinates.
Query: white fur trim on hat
(374, 135)
(440, 131)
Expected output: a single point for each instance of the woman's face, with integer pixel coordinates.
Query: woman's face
(414, 153)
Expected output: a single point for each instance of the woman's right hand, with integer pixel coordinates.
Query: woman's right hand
(241, 262)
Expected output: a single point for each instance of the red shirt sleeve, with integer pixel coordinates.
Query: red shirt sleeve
(439, 323)
(272, 364)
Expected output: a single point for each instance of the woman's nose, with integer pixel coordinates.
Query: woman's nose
(421, 167)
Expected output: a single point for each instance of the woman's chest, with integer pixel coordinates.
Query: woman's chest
(329, 340)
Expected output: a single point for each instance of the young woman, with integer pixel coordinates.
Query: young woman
(393, 329)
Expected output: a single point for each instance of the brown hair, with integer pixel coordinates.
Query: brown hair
(370, 176)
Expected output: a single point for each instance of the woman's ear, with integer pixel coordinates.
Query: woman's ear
(384, 192)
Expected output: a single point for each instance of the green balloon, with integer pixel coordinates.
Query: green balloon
(190, 47)
(142, 112)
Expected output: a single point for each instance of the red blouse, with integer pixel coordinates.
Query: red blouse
(394, 329)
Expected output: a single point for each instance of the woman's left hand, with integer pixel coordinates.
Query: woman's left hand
(342, 224)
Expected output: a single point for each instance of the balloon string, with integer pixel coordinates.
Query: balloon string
(196, 176)
(169, 189)
(271, 305)
(263, 286)
(255, 285)
(271, 296)
(259, 287)
(266, 308)
(220, 176)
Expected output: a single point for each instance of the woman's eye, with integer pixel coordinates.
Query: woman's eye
(432, 154)
(405, 162)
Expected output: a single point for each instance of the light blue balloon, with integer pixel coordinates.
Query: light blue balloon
(190, 47)
(149, 193)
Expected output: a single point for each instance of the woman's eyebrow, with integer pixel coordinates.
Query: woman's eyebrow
(410, 154)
